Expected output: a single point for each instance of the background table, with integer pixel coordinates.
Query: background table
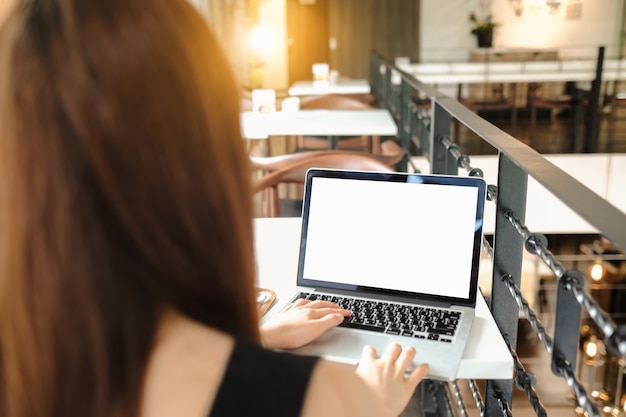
(277, 241)
(331, 123)
(313, 88)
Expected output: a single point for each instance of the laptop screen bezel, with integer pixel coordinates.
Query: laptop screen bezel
(476, 182)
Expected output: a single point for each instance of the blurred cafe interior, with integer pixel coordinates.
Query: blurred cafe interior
(533, 78)
(550, 74)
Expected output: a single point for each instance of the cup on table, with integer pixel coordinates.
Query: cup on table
(290, 105)
(320, 71)
(333, 76)
(263, 100)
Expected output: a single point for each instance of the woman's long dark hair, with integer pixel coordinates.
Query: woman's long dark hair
(124, 191)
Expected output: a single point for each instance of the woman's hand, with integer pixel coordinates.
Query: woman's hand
(387, 376)
(300, 323)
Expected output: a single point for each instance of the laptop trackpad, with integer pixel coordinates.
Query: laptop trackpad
(346, 346)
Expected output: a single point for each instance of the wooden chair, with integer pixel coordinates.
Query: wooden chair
(294, 173)
(336, 102)
(615, 101)
(568, 100)
(390, 154)
(494, 99)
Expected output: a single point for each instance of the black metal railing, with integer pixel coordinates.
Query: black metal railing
(425, 116)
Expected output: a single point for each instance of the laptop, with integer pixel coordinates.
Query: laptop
(400, 250)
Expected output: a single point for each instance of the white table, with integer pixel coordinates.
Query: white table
(314, 88)
(331, 123)
(277, 242)
(514, 72)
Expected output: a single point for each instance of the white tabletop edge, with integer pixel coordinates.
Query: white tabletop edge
(276, 246)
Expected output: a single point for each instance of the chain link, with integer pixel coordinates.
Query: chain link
(478, 399)
(504, 406)
(523, 304)
(459, 399)
(463, 161)
(584, 402)
(536, 243)
(532, 318)
(526, 381)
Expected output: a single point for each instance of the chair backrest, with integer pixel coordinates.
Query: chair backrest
(391, 153)
(296, 171)
(336, 102)
(333, 102)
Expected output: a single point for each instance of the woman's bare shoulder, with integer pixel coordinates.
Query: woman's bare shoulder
(336, 390)
(185, 368)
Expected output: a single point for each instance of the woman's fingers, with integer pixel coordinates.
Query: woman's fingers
(298, 303)
(322, 304)
(406, 358)
(392, 353)
(322, 312)
(418, 374)
(369, 353)
(387, 375)
(316, 304)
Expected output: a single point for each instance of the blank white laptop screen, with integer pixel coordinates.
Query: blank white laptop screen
(391, 235)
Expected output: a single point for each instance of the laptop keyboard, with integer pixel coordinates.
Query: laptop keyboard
(393, 318)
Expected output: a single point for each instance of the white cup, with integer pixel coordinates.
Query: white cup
(320, 71)
(291, 105)
(263, 100)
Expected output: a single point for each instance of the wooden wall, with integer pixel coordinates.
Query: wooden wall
(390, 27)
(356, 27)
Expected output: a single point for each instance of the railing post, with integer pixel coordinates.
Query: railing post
(439, 128)
(405, 124)
(376, 79)
(591, 127)
(508, 248)
(387, 93)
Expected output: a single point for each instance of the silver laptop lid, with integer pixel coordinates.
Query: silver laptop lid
(396, 234)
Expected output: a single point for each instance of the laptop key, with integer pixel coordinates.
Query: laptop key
(434, 330)
(393, 330)
(362, 326)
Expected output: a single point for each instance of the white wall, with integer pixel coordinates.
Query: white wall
(445, 30)
(273, 18)
(445, 27)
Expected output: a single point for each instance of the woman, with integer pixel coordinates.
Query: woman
(126, 238)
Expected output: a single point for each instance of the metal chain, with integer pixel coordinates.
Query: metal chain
(532, 318)
(478, 399)
(504, 406)
(584, 402)
(613, 335)
(463, 161)
(526, 381)
(536, 243)
(523, 304)
(459, 399)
